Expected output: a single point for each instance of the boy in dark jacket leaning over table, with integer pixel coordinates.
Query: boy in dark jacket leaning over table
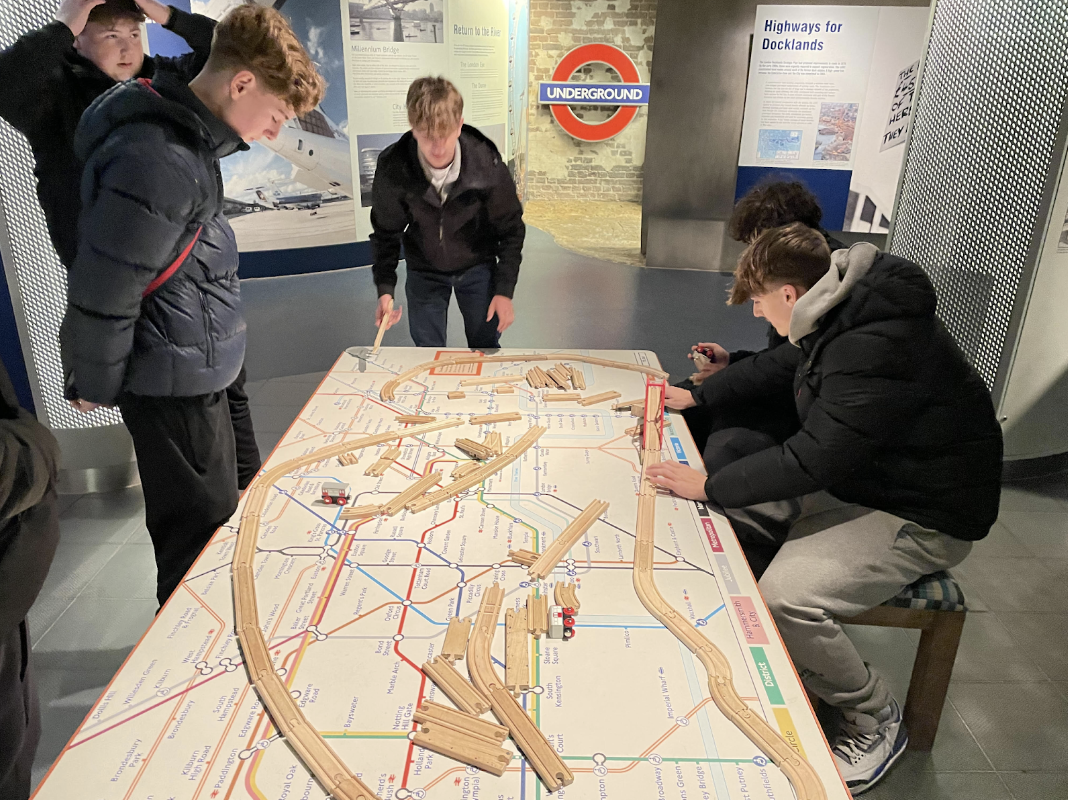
(895, 472)
(153, 317)
(50, 76)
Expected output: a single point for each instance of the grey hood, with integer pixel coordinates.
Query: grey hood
(847, 268)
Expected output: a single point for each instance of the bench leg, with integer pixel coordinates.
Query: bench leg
(930, 678)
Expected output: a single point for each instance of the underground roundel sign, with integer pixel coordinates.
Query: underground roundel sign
(561, 93)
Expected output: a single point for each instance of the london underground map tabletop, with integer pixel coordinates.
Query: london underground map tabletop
(350, 609)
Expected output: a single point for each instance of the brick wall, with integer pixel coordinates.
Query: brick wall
(563, 168)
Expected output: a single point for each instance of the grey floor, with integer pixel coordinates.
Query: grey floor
(1004, 730)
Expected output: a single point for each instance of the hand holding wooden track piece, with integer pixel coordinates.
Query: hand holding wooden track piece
(387, 317)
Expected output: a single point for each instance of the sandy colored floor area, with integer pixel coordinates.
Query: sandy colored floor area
(602, 229)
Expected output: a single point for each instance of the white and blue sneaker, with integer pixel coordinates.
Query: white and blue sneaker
(868, 745)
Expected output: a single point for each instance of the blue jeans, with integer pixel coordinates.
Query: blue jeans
(428, 306)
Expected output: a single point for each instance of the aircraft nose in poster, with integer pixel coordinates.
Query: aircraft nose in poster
(561, 92)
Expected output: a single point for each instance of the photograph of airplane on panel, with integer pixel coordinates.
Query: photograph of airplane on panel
(297, 191)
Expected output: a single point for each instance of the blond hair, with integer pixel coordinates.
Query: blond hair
(260, 40)
(434, 105)
(794, 254)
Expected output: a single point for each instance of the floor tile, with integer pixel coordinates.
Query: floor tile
(1044, 637)
(1043, 533)
(251, 387)
(105, 517)
(95, 633)
(990, 652)
(304, 377)
(905, 783)
(1014, 584)
(1037, 785)
(1018, 725)
(276, 392)
(1027, 497)
(73, 567)
(130, 573)
(66, 697)
(267, 441)
(274, 418)
(955, 749)
(1000, 543)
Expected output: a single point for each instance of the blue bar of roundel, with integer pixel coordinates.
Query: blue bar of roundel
(831, 187)
(637, 94)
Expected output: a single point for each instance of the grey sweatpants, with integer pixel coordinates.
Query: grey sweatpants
(835, 560)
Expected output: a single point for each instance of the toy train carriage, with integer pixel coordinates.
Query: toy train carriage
(336, 493)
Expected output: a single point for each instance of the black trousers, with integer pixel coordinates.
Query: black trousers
(20, 716)
(248, 452)
(186, 457)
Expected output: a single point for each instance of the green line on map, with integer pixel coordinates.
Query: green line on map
(504, 513)
(767, 677)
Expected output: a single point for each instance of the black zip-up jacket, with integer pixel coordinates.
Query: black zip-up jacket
(151, 179)
(480, 222)
(45, 87)
(892, 415)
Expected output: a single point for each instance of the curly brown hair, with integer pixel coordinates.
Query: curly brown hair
(794, 254)
(434, 105)
(772, 205)
(260, 40)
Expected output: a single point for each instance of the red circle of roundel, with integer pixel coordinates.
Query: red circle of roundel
(569, 64)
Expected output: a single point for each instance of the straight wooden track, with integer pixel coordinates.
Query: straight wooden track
(567, 539)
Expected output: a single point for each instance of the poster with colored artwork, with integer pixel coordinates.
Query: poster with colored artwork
(829, 102)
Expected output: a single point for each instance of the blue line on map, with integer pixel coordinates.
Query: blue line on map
(706, 619)
(364, 572)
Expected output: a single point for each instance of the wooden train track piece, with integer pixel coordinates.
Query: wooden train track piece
(532, 742)
(465, 469)
(474, 449)
(506, 389)
(489, 419)
(415, 419)
(633, 431)
(567, 539)
(456, 639)
(385, 461)
(561, 375)
(484, 471)
(803, 778)
(310, 747)
(533, 380)
(361, 512)
(598, 398)
(578, 379)
(524, 557)
(389, 388)
(565, 595)
(494, 442)
(347, 459)
(493, 381)
(457, 395)
(516, 652)
(553, 378)
(562, 397)
(626, 405)
(537, 615)
(413, 492)
(382, 326)
(455, 686)
(638, 410)
(462, 737)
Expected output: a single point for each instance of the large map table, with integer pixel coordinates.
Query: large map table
(351, 609)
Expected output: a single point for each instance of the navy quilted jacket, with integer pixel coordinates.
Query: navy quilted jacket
(151, 180)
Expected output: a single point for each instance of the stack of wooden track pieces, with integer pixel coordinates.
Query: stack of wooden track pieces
(558, 377)
(348, 459)
(461, 734)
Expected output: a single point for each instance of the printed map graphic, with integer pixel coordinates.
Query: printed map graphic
(351, 609)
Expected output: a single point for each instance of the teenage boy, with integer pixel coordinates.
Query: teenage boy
(768, 205)
(47, 80)
(153, 318)
(894, 473)
(443, 190)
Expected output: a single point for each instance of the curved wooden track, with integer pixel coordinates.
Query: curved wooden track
(390, 386)
(806, 783)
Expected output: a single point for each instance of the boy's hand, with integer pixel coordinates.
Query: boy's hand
(502, 307)
(679, 399)
(383, 304)
(717, 356)
(681, 480)
(157, 12)
(84, 406)
(75, 13)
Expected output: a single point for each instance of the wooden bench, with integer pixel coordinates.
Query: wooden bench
(934, 605)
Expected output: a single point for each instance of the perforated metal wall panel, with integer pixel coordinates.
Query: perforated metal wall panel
(983, 145)
(40, 280)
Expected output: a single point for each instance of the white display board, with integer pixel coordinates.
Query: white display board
(351, 609)
(830, 89)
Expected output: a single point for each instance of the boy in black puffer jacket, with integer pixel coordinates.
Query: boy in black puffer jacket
(153, 306)
(895, 472)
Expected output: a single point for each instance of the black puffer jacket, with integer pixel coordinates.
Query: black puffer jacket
(893, 417)
(46, 85)
(151, 179)
(481, 221)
